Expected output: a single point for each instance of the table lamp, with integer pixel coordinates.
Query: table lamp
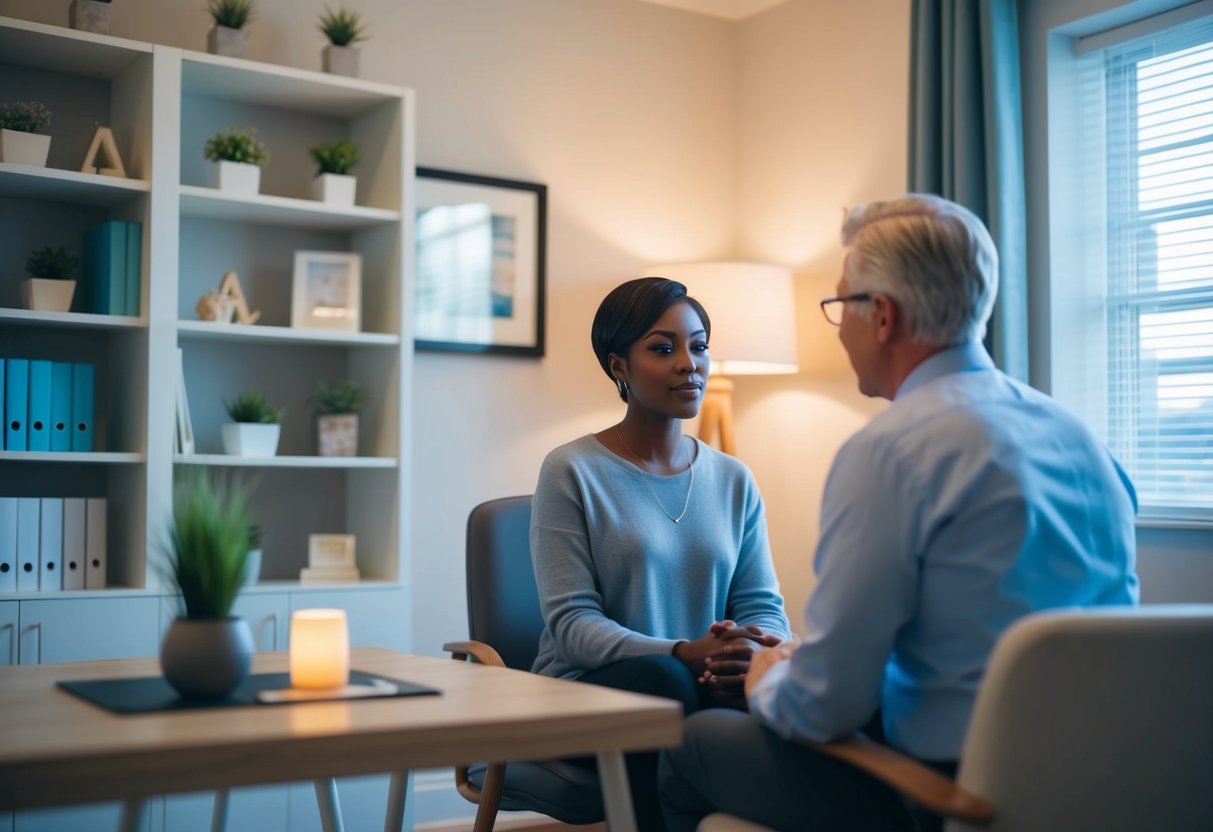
(319, 649)
(753, 312)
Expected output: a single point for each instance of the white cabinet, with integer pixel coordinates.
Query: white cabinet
(83, 629)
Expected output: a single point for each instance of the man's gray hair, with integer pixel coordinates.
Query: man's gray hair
(933, 256)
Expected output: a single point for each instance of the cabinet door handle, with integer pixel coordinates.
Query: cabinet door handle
(37, 627)
(274, 621)
(12, 642)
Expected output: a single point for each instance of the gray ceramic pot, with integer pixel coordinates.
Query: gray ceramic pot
(206, 659)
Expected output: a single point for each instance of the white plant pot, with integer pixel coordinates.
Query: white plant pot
(236, 177)
(19, 148)
(223, 40)
(250, 439)
(338, 434)
(335, 188)
(44, 295)
(252, 567)
(89, 16)
(341, 60)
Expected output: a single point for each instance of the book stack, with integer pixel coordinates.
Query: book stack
(47, 405)
(330, 559)
(113, 258)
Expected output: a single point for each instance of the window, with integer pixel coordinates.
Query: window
(1142, 295)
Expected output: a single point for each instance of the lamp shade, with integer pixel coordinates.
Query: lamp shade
(319, 649)
(753, 312)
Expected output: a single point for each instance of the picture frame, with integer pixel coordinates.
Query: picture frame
(326, 292)
(481, 263)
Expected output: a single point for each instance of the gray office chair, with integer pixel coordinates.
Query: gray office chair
(504, 623)
(1095, 719)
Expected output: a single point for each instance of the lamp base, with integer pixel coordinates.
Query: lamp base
(716, 415)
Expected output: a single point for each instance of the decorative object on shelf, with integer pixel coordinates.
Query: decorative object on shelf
(343, 28)
(481, 262)
(185, 427)
(333, 183)
(21, 138)
(330, 559)
(89, 16)
(228, 36)
(254, 428)
(50, 285)
(252, 566)
(207, 651)
(227, 304)
(238, 156)
(319, 649)
(327, 291)
(337, 405)
(103, 143)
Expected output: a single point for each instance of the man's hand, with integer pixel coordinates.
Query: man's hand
(763, 661)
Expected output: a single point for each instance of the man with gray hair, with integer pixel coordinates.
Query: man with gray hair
(971, 501)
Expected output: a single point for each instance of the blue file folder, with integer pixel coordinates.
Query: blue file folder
(134, 266)
(2, 446)
(38, 430)
(61, 406)
(82, 407)
(16, 394)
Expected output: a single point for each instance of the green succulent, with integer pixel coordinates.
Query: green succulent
(341, 27)
(343, 396)
(252, 406)
(230, 13)
(51, 263)
(338, 157)
(209, 543)
(24, 116)
(233, 145)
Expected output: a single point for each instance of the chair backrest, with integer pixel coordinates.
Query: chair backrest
(503, 602)
(1097, 719)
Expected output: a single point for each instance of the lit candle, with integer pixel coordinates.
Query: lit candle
(320, 649)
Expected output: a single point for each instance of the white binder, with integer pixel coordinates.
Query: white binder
(8, 544)
(28, 522)
(50, 547)
(94, 544)
(73, 542)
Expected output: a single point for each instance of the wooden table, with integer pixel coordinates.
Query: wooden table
(57, 749)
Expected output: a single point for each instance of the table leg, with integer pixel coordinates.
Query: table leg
(133, 811)
(330, 806)
(219, 811)
(616, 795)
(394, 822)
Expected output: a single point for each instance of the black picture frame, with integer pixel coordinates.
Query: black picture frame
(481, 263)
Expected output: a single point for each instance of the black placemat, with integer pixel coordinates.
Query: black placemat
(153, 693)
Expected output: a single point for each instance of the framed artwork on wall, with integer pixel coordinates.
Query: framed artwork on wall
(327, 291)
(481, 263)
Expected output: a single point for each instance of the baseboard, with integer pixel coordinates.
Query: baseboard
(535, 823)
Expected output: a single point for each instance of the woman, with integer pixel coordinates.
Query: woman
(650, 548)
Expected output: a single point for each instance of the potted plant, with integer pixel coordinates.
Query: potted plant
(254, 428)
(252, 566)
(333, 183)
(51, 283)
(89, 16)
(343, 28)
(337, 404)
(238, 156)
(207, 651)
(21, 139)
(228, 36)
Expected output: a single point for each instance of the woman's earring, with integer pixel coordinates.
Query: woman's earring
(623, 388)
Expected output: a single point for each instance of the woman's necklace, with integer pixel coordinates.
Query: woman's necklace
(648, 473)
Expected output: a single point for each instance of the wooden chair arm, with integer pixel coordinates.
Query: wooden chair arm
(478, 650)
(921, 784)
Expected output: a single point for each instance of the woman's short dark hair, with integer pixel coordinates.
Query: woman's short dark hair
(629, 312)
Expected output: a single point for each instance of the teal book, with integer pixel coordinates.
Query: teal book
(105, 268)
(134, 267)
(61, 406)
(38, 430)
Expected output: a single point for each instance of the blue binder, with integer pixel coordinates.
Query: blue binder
(1, 406)
(134, 266)
(61, 406)
(39, 403)
(82, 407)
(105, 268)
(16, 394)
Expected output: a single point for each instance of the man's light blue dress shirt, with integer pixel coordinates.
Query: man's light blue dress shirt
(969, 502)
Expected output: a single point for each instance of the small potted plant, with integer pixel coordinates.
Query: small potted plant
(337, 405)
(333, 183)
(254, 428)
(21, 138)
(343, 28)
(51, 283)
(207, 651)
(228, 36)
(89, 16)
(238, 156)
(252, 566)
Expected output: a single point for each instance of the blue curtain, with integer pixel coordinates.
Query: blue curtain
(966, 141)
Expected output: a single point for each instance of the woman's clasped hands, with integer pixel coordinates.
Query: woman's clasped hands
(720, 659)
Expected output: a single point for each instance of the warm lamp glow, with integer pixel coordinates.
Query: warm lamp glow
(320, 649)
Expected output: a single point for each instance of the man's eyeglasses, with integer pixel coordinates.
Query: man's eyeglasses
(832, 307)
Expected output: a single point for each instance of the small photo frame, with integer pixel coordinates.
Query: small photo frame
(330, 551)
(481, 261)
(327, 291)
